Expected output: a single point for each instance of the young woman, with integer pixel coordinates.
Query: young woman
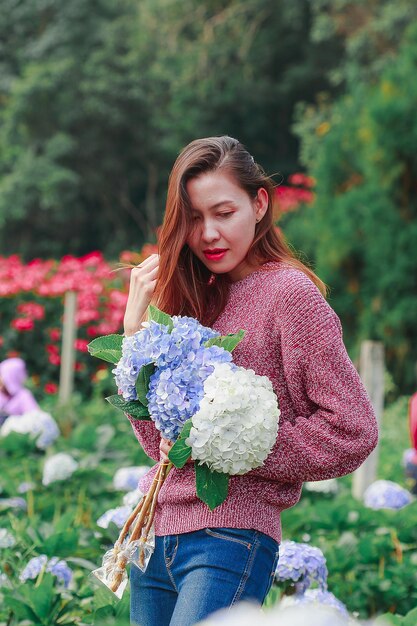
(222, 261)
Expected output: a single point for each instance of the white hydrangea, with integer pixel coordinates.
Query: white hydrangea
(6, 539)
(131, 498)
(40, 425)
(58, 467)
(127, 478)
(237, 422)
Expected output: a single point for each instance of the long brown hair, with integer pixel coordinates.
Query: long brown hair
(185, 285)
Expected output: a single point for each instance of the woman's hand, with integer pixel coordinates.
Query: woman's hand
(164, 448)
(143, 280)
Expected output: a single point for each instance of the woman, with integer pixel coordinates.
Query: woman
(222, 261)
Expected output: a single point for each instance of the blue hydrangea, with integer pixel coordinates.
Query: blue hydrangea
(118, 516)
(12, 503)
(155, 344)
(302, 564)
(182, 365)
(410, 463)
(175, 392)
(320, 597)
(56, 566)
(140, 349)
(385, 494)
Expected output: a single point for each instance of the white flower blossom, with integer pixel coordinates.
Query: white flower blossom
(132, 498)
(40, 425)
(6, 539)
(237, 423)
(58, 467)
(127, 478)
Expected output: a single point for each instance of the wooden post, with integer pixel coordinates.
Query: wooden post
(66, 378)
(371, 370)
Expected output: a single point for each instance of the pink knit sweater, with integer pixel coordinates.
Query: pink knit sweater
(327, 425)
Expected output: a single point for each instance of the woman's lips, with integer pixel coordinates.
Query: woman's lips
(214, 256)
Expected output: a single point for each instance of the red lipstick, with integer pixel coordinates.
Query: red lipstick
(214, 255)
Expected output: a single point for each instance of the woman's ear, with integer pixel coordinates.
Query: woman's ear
(261, 203)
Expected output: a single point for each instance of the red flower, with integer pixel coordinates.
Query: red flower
(50, 388)
(54, 334)
(81, 345)
(32, 310)
(54, 359)
(22, 324)
(1, 341)
(79, 367)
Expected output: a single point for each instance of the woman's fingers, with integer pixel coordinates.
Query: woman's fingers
(143, 281)
(149, 261)
(164, 448)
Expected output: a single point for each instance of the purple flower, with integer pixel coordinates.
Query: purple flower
(385, 494)
(303, 564)
(118, 516)
(175, 392)
(127, 478)
(12, 503)
(55, 566)
(321, 597)
(410, 463)
(156, 344)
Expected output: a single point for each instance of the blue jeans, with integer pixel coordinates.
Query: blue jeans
(191, 575)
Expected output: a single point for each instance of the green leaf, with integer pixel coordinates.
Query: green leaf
(133, 407)
(410, 619)
(108, 348)
(227, 342)
(142, 383)
(61, 544)
(211, 486)
(388, 619)
(18, 605)
(40, 598)
(180, 451)
(160, 317)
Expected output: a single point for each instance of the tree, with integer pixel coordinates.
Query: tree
(362, 229)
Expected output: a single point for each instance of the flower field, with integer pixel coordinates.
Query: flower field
(371, 555)
(65, 494)
(32, 297)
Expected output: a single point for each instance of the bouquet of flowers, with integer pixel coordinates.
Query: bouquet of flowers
(180, 375)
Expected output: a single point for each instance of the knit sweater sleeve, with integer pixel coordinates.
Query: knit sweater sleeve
(336, 429)
(147, 435)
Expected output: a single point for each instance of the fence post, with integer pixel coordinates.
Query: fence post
(66, 378)
(371, 370)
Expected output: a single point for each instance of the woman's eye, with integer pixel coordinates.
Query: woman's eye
(228, 214)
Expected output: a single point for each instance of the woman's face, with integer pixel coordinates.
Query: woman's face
(224, 218)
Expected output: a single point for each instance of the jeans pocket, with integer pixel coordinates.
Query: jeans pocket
(236, 535)
(272, 574)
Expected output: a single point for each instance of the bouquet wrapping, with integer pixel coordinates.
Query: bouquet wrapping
(180, 375)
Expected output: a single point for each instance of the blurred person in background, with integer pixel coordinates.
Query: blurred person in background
(15, 399)
(410, 457)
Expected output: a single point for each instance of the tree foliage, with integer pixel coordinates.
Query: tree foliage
(97, 98)
(362, 228)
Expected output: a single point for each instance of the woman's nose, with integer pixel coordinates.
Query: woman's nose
(210, 232)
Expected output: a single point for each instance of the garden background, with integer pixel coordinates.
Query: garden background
(96, 100)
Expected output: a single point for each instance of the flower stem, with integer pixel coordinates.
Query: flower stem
(140, 520)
